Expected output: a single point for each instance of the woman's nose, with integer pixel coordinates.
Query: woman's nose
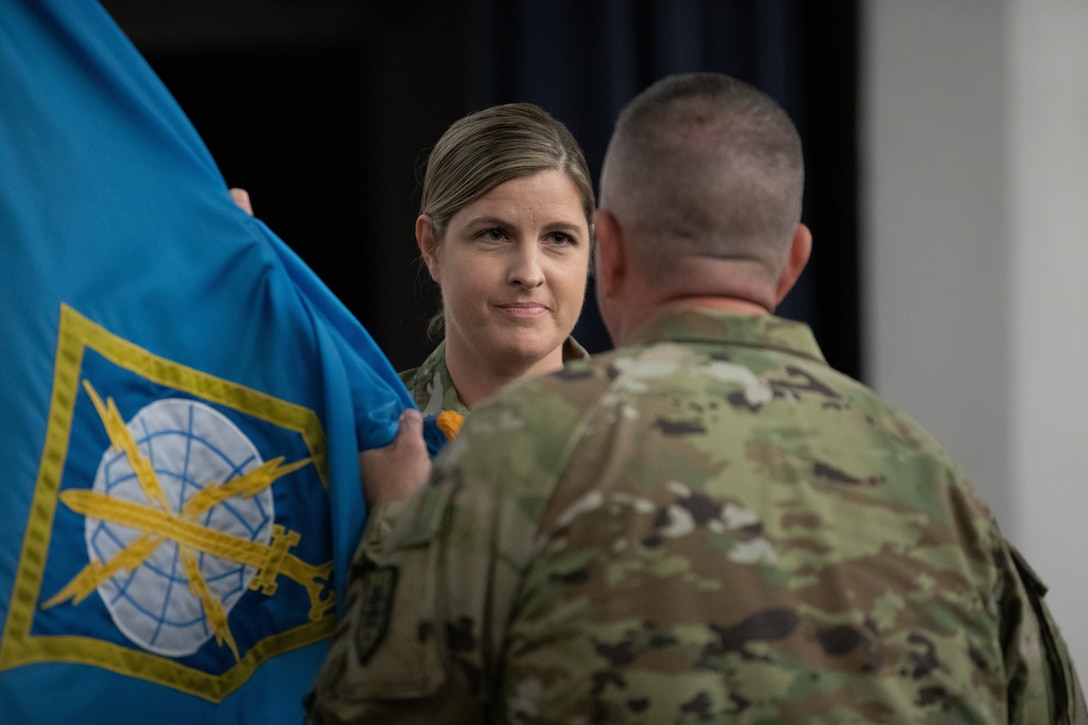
(525, 268)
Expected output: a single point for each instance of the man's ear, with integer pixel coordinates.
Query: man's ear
(610, 259)
(428, 245)
(800, 250)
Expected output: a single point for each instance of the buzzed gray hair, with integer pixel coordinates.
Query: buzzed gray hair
(704, 164)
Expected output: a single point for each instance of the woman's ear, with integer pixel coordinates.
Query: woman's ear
(428, 246)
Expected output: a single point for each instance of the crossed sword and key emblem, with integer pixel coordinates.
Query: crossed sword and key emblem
(158, 523)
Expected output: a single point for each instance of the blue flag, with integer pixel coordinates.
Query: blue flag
(181, 405)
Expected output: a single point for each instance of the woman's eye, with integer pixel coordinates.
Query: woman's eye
(494, 235)
(562, 238)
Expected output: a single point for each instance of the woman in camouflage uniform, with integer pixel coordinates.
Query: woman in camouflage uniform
(504, 230)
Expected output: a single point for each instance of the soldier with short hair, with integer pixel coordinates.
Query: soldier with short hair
(707, 524)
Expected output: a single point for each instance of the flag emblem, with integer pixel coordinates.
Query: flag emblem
(179, 527)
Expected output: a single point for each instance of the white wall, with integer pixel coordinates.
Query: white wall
(1048, 219)
(974, 181)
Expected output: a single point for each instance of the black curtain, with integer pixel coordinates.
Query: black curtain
(325, 112)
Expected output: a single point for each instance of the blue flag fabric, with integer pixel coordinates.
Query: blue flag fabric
(181, 403)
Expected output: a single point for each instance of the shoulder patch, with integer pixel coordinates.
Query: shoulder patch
(375, 609)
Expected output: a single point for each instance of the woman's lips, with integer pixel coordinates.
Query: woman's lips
(524, 309)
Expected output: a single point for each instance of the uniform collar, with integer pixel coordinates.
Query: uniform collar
(699, 324)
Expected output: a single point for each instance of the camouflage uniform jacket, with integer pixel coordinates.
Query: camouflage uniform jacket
(710, 525)
(432, 389)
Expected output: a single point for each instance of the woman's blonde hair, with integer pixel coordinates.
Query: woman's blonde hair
(491, 147)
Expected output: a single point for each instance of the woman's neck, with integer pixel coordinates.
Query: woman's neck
(476, 380)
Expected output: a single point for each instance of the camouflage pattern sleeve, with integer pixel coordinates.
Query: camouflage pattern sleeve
(385, 661)
(1043, 684)
(431, 589)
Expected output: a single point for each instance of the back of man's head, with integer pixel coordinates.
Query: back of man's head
(705, 165)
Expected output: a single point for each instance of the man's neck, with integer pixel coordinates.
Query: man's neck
(727, 285)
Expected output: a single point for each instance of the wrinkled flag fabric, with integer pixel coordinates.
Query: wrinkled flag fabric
(181, 405)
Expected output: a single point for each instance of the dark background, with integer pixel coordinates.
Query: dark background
(325, 111)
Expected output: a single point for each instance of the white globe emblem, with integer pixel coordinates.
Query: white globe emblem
(190, 446)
